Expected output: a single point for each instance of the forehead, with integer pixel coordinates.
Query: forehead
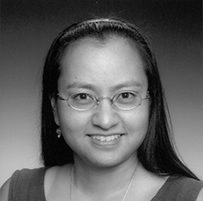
(107, 41)
(101, 42)
(96, 61)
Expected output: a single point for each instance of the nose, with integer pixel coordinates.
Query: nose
(105, 117)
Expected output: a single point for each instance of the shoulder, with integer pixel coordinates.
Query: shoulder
(186, 188)
(20, 182)
(180, 189)
(57, 180)
(4, 191)
(56, 172)
(28, 176)
(190, 183)
(200, 196)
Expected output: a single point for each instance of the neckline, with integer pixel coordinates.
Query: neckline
(159, 192)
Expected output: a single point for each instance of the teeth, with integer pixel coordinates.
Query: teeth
(107, 139)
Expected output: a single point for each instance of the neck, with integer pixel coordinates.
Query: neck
(97, 181)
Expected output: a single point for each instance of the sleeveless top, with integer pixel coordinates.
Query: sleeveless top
(28, 185)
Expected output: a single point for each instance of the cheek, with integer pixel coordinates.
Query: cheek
(137, 124)
(72, 124)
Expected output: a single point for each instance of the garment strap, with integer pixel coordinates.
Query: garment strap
(27, 185)
(179, 189)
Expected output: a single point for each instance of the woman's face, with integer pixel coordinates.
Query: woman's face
(103, 136)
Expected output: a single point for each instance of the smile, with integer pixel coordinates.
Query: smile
(105, 138)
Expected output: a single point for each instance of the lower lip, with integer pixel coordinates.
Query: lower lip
(106, 143)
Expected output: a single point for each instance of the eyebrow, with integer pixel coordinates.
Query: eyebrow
(131, 83)
(83, 85)
(80, 85)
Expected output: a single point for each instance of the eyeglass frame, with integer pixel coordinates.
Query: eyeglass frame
(97, 100)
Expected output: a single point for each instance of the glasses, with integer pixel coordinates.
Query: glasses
(124, 100)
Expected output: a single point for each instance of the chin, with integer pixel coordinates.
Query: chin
(108, 162)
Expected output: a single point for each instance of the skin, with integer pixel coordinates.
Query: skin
(97, 66)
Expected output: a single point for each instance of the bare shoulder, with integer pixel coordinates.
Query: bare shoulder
(55, 180)
(4, 191)
(147, 185)
(50, 177)
(200, 196)
(55, 172)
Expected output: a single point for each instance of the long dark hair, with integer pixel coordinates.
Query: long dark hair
(156, 153)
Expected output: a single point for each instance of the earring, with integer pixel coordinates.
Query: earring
(58, 131)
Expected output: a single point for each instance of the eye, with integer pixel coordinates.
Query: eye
(81, 99)
(81, 96)
(126, 97)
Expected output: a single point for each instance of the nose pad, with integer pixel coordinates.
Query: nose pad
(105, 117)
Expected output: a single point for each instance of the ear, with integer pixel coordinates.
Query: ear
(55, 110)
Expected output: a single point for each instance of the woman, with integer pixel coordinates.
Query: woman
(105, 131)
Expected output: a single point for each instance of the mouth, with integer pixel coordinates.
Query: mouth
(105, 138)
